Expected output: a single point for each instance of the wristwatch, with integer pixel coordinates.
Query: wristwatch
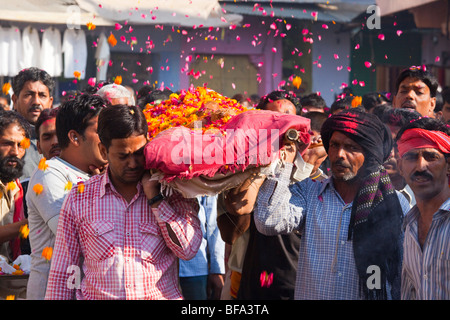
(155, 199)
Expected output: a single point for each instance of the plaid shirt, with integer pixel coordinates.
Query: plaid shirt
(124, 249)
(326, 265)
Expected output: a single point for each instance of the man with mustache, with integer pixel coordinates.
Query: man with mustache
(126, 236)
(416, 89)
(33, 90)
(14, 130)
(424, 149)
(76, 131)
(350, 223)
(395, 118)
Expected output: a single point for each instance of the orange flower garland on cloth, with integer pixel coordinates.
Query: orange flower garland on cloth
(188, 107)
(202, 143)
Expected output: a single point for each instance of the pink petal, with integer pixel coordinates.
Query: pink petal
(367, 64)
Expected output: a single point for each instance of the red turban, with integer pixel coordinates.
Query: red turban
(420, 138)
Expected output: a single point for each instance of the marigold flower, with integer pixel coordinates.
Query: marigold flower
(296, 82)
(80, 187)
(11, 186)
(118, 80)
(6, 87)
(11, 297)
(24, 231)
(25, 143)
(90, 26)
(37, 188)
(18, 273)
(42, 164)
(47, 253)
(112, 40)
(68, 186)
(77, 74)
(356, 101)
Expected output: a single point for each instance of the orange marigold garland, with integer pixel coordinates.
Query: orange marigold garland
(190, 106)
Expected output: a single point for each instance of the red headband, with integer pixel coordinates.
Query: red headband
(420, 138)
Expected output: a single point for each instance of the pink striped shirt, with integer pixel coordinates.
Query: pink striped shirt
(124, 249)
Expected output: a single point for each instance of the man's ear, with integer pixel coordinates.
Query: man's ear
(432, 105)
(74, 137)
(103, 150)
(14, 99)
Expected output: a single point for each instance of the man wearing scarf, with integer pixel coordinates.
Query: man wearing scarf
(424, 148)
(351, 246)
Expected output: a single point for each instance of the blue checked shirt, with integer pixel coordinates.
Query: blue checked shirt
(210, 258)
(426, 271)
(326, 266)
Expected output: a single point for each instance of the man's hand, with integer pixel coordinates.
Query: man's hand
(151, 187)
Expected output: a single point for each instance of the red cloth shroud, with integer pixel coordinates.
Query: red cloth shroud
(250, 139)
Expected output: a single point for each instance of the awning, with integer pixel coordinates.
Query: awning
(316, 10)
(431, 14)
(188, 13)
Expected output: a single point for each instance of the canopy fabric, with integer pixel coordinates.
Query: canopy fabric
(189, 13)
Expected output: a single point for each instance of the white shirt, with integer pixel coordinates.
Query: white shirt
(10, 51)
(102, 55)
(31, 48)
(43, 214)
(51, 54)
(75, 53)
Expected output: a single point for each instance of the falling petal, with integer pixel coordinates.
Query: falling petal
(399, 32)
(367, 64)
(381, 36)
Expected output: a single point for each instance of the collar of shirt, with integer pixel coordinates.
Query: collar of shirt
(107, 183)
(413, 214)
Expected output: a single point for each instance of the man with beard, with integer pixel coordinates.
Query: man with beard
(350, 223)
(424, 149)
(14, 132)
(416, 89)
(76, 130)
(125, 235)
(33, 89)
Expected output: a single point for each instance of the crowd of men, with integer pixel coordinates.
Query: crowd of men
(363, 212)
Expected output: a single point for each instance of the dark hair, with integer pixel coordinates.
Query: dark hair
(426, 124)
(372, 99)
(75, 114)
(313, 100)
(6, 96)
(32, 74)
(399, 117)
(279, 95)
(120, 122)
(45, 115)
(446, 95)
(144, 97)
(381, 109)
(8, 117)
(317, 119)
(421, 74)
(341, 104)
